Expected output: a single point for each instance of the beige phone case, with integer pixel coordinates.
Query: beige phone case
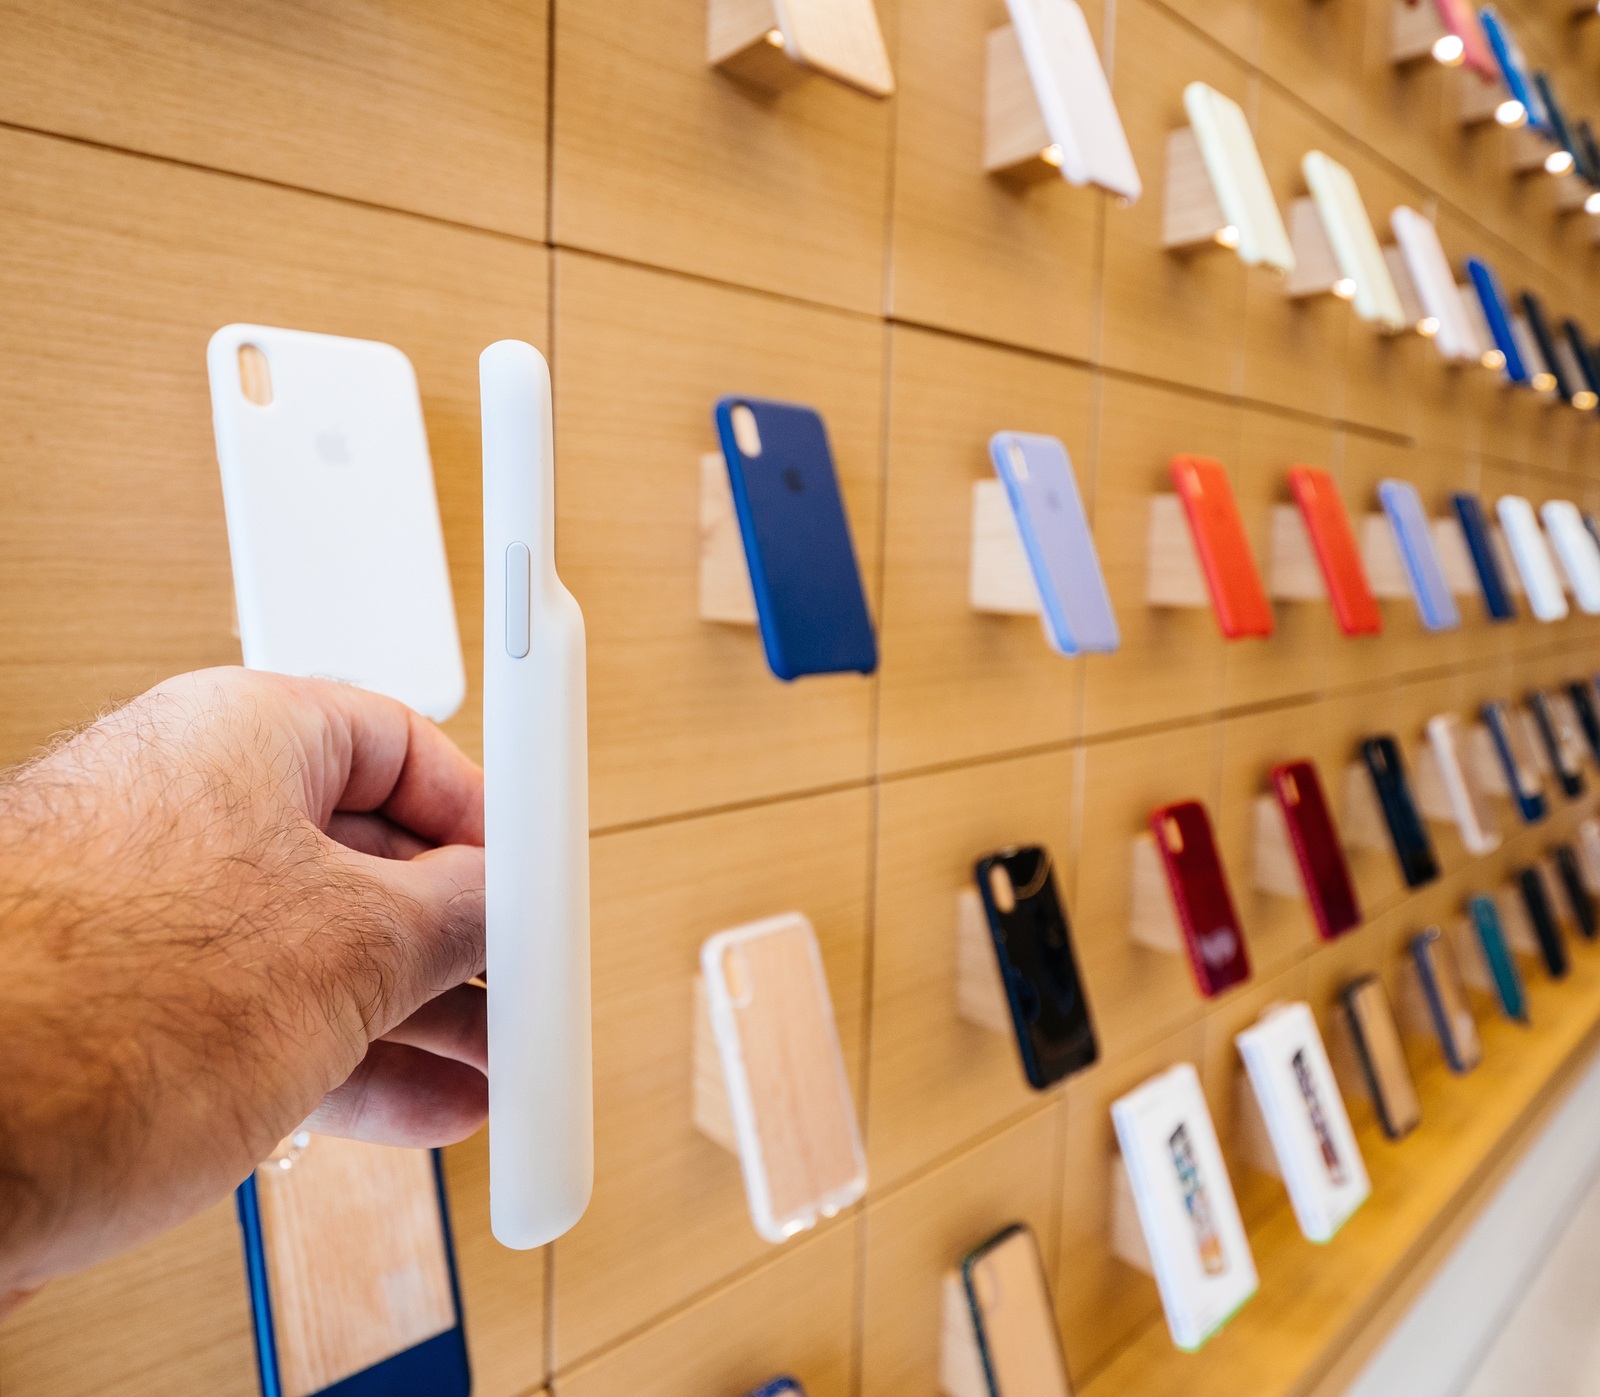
(1015, 1319)
(1383, 1057)
(793, 1114)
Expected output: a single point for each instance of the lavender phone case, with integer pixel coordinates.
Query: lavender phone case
(1043, 492)
(1412, 532)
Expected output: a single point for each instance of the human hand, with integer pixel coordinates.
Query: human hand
(239, 903)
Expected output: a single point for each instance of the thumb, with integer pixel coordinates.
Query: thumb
(438, 907)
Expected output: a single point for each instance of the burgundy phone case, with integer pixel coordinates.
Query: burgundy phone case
(1323, 869)
(1200, 893)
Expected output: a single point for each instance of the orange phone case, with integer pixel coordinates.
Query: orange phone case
(1338, 553)
(1237, 596)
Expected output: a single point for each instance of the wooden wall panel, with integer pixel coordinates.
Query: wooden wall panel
(657, 159)
(957, 683)
(439, 110)
(683, 713)
(973, 252)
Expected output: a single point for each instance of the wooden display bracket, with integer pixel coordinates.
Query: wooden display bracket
(1514, 920)
(1588, 851)
(1411, 307)
(1470, 959)
(1508, 563)
(1455, 557)
(756, 41)
(1572, 193)
(1153, 921)
(725, 595)
(1481, 98)
(980, 995)
(1433, 797)
(1380, 555)
(1293, 572)
(1529, 149)
(1414, 31)
(1127, 1232)
(1251, 1140)
(1016, 141)
(1316, 268)
(1192, 215)
(712, 1112)
(1277, 870)
(1363, 825)
(1000, 579)
(1172, 575)
(1485, 762)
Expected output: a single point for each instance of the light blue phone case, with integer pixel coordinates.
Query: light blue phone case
(1038, 479)
(1409, 520)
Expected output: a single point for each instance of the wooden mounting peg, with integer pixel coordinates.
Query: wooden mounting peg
(1433, 796)
(1153, 921)
(1484, 759)
(1411, 307)
(1192, 216)
(1588, 851)
(1363, 824)
(1470, 959)
(1386, 570)
(1529, 150)
(1508, 564)
(1514, 920)
(1000, 578)
(1481, 98)
(1016, 141)
(1316, 268)
(1252, 1140)
(1455, 558)
(1277, 870)
(725, 594)
(1127, 1232)
(980, 995)
(1293, 572)
(773, 47)
(1173, 576)
(1413, 31)
(713, 1115)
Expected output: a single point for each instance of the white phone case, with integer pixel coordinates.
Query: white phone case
(1355, 245)
(1435, 283)
(1305, 1117)
(1187, 1211)
(1474, 818)
(536, 822)
(1073, 94)
(1241, 186)
(1575, 548)
(339, 567)
(1534, 566)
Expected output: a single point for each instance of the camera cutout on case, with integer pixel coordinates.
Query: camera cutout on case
(255, 375)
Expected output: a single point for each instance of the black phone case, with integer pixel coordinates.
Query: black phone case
(1580, 353)
(1407, 833)
(1033, 945)
(1578, 896)
(1552, 948)
(1581, 692)
(1533, 312)
(1375, 1090)
(1570, 779)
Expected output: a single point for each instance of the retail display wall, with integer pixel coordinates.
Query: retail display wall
(439, 177)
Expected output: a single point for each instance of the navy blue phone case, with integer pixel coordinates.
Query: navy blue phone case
(1570, 779)
(803, 570)
(1552, 947)
(1533, 312)
(1443, 1029)
(1496, 717)
(1495, 310)
(1409, 836)
(437, 1367)
(780, 1387)
(1475, 526)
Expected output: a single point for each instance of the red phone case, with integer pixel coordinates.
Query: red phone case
(1323, 869)
(1334, 541)
(1237, 596)
(1200, 893)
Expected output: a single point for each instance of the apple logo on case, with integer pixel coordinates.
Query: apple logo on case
(333, 446)
(794, 480)
(1219, 947)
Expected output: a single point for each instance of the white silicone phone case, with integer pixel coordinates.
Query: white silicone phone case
(1474, 818)
(1534, 565)
(536, 822)
(1073, 94)
(1435, 283)
(339, 567)
(1355, 245)
(1241, 186)
(1575, 548)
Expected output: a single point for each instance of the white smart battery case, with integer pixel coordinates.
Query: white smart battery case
(1073, 94)
(1305, 1117)
(1435, 283)
(1197, 1242)
(1575, 547)
(1234, 165)
(339, 567)
(1355, 245)
(536, 822)
(1532, 557)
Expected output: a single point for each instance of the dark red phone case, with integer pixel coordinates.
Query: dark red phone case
(1338, 554)
(1200, 893)
(1220, 542)
(1323, 869)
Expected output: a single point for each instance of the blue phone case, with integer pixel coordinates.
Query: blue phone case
(1530, 805)
(780, 1387)
(1480, 543)
(1555, 119)
(1502, 964)
(809, 598)
(1043, 491)
(1403, 505)
(1513, 66)
(1492, 297)
(436, 1367)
